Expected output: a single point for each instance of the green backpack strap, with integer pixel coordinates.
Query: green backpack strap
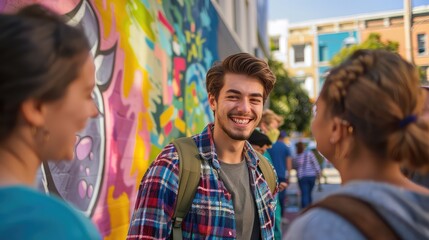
(189, 178)
(268, 172)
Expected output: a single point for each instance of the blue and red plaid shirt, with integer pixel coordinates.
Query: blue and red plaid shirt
(212, 212)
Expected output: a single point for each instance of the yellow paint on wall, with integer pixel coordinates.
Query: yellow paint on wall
(180, 125)
(148, 120)
(161, 139)
(166, 116)
(145, 88)
(119, 212)
(133, 22)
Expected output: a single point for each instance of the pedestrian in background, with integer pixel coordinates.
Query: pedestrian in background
(282, 162)
(269, 125)
(259, 141)
(307, 171)
(46, 81)
(369, 123)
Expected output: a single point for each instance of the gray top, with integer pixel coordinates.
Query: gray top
(236, 180)
(406, 211)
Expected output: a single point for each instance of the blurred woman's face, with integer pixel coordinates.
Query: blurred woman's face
(68, 115)
(320, 127)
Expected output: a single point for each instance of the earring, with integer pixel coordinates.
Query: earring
(350, 129)
(349, 126)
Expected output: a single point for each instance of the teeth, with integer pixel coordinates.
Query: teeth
(241, 121)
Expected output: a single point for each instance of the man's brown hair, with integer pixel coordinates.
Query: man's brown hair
(240, 63)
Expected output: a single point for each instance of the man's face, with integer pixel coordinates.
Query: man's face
(238, 108)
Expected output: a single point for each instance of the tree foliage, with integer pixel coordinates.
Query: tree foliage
(289, 100)
(372, 42)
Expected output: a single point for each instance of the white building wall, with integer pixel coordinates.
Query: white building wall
(240, 16)
(279, 28)
(308, 56)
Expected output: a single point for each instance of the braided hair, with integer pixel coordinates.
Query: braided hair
(377, 92)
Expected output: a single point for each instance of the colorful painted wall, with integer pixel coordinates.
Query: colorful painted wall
(151, 58)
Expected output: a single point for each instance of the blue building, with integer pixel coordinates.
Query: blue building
(329, 44)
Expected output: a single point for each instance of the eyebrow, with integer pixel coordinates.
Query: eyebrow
(238, 92)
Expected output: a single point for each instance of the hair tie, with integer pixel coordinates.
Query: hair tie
(407, 120)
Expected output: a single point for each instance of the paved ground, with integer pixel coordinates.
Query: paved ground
(329, 185)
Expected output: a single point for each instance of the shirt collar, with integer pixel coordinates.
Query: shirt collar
(207, 149)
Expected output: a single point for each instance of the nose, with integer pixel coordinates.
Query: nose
(93, 110)
(244, 106)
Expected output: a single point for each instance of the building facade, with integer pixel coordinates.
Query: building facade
(246, 21)
(312, 44)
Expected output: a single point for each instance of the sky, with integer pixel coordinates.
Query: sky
(303, 10)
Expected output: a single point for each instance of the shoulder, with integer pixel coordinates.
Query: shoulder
(45, 216)
(322, 224)
(167, 159)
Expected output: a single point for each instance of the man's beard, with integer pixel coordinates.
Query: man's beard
(238, 136)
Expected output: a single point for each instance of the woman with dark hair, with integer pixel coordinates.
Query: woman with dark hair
(369, 124)
(307, 171)
(46, 81)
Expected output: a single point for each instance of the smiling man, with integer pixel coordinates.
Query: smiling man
(233, 200)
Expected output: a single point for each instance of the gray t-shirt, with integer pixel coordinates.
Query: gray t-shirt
(236, 180)
(406, 211)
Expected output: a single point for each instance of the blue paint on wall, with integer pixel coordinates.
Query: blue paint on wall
(332, 43)
(329, 45)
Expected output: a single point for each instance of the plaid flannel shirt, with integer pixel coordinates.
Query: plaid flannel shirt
(212, 213)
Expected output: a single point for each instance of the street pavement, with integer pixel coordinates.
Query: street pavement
(330, 183)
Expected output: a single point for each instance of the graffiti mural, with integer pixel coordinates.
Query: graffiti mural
(151, 58)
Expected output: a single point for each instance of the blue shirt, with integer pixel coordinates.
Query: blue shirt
(279, 152)
(212, 211)
(28, 214)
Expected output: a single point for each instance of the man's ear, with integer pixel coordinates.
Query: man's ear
(212, 102)
(32, 111)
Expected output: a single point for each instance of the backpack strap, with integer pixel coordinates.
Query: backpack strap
(267, 171)
(189, 178)
(360, 214)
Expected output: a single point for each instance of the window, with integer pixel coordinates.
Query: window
(274, 43)
(421, 44)
(323, 53)
(299, 53)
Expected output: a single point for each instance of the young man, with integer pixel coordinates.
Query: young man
(233, 200)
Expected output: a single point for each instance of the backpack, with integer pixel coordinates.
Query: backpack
(189, 178)
(360, 214)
